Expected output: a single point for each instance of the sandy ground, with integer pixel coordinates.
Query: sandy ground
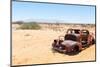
(34, 47)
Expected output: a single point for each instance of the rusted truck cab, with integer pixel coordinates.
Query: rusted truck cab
(84, 36)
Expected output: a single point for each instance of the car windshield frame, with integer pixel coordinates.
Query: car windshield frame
(70, 37)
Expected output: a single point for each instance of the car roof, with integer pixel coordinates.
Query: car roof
(77, 29)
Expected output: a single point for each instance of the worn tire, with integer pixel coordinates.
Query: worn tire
(93, 41)
(76, 48)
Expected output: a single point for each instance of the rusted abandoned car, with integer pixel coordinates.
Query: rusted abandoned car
(73, 41)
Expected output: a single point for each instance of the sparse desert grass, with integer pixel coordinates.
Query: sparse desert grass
(34, 26)
(51, 26)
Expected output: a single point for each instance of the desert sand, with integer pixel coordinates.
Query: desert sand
(34, 47)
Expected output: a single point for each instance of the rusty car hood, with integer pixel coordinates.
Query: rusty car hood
(69, 43)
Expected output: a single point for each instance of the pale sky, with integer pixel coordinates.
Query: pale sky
(67, 13)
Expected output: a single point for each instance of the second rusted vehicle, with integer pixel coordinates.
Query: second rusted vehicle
(73, 41)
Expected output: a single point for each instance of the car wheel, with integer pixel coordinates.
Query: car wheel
(93, 41)
(75, 48)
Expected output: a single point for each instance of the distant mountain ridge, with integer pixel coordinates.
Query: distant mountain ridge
(49, 21)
